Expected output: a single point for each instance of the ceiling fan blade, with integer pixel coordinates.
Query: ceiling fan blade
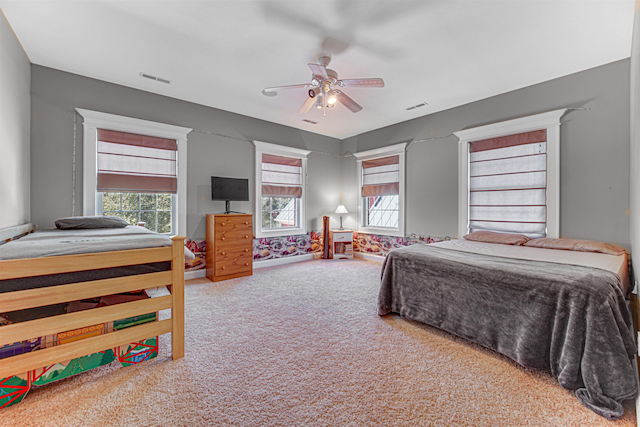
(361, 83)
(307, 105)
(348, 102)
(319, 70)
(273, 91)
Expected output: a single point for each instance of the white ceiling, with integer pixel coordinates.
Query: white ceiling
(223, 53)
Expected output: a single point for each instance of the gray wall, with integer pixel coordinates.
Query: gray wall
(635, 143)
(594, 151)
(55, 95)
(594, 166)
(15, 119)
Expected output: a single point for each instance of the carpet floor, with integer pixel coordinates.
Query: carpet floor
(302, 345)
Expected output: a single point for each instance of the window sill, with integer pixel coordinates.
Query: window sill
(280, 233)
(381, 231)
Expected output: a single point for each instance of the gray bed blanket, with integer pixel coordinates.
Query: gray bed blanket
(572, 321)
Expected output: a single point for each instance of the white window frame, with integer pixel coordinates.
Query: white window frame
(94, 120)
(392, 150)
(279, 150)
(549, 121)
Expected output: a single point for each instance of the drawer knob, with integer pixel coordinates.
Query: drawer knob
(223, 238)
(224, 253)
(246, 237)
(246, 223)
(223, 267)
(246, 250)
(224, 223)
(246, 263)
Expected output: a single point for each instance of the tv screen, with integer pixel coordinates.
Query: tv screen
(229, 189)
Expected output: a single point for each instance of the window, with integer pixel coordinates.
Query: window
(509, 176)
(280, 184)
(381, 182)
(154, 210)
(280, 212)
(135, 169)
(382, 211)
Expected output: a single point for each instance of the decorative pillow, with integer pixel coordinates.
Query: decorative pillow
(85, 222)
(493, 237)
(576, 245)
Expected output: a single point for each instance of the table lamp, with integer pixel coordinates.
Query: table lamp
(341, 210)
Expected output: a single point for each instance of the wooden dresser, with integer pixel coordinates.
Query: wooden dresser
(229, 246)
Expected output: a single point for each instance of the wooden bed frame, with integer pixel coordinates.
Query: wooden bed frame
(31, 298)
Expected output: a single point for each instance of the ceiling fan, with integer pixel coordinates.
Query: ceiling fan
(325, 89)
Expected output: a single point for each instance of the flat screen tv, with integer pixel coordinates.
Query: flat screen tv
(229, 189)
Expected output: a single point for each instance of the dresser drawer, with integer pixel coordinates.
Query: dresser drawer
(232, 253)
(235, 238)
(233, 266)
(342, 237)
(234, 223)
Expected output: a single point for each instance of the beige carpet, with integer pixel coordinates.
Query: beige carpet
(301, 345)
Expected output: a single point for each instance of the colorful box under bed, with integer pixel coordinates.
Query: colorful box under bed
(14, 389)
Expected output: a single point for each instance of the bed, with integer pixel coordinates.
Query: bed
(565, 312)
(51, 267)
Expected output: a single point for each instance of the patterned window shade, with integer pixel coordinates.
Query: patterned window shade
(136, 163)
(508, 184)
(281, 176)
(381, 177)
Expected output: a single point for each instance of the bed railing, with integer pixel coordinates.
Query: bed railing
(31, 298)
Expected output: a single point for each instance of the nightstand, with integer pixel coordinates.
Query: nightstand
(342, 244)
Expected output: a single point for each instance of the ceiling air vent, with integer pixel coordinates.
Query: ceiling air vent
(310, 121)
(154, 78)
(413, 107)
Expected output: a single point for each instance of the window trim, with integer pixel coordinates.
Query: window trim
(91, 202)
(549, 121)
(279, 150)
(392, 150)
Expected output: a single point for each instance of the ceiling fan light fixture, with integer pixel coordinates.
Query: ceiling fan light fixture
(330, 105)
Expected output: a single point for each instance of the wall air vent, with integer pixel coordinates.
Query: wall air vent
(154, 78)
(310, 121)
(413, 107)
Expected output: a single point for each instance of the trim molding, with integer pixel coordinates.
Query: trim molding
(390, 150)
(19, 230)
(399, 150)
(195, 274)
(549, 121)
(281, 149)
(265, 147)
(94, 120)
(281, 261)
(377, 258)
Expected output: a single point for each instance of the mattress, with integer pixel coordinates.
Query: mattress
(618, 264)
(47, 243)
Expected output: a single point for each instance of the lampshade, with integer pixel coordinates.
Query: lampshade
(341, 209)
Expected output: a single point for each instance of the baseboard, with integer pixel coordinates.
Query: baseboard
(195, 274)
(370, 257)
(282, 261)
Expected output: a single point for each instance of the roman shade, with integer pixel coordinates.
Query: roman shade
(381, 177)
(281, 176)
(134, 163)
(508, 184)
